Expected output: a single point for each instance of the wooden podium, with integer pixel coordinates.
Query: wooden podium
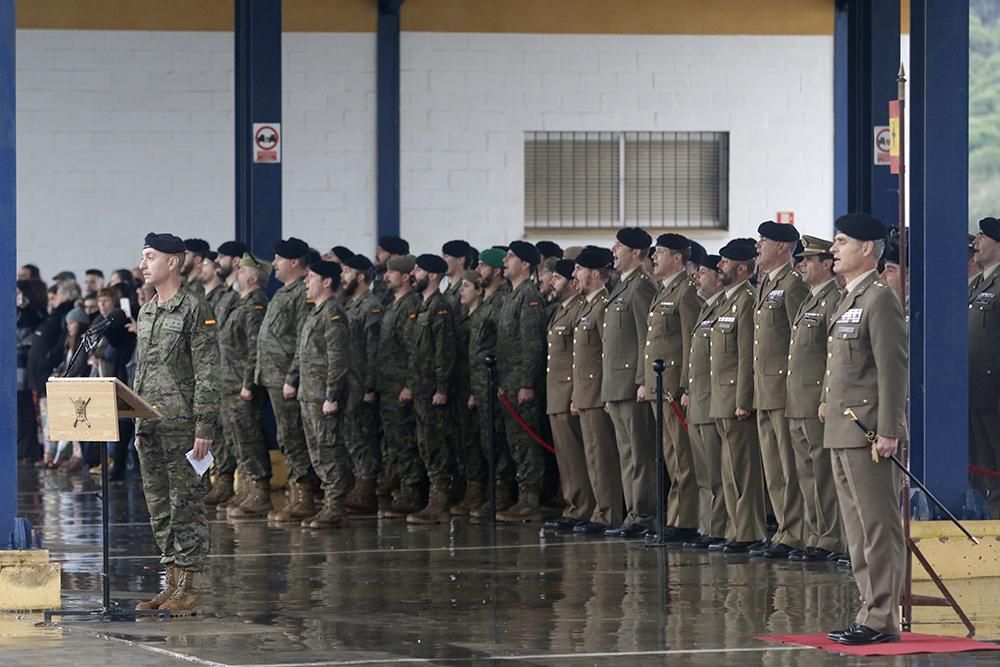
(88, 409)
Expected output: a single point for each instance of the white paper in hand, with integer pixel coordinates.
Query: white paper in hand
(202, 464)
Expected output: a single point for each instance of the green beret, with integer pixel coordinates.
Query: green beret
(492, 257)
(401, 263)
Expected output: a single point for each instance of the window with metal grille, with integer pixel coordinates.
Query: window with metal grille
(606, 180)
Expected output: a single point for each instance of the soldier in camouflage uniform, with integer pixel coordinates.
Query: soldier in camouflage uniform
(521, 365)
(364, 314)
(278, 372)
(178, 375)
(456, 256)
(323, 347)
(432, 381)
(195, 252)
(388, 247)
(483, 343)
(395, 346)
(242, 401)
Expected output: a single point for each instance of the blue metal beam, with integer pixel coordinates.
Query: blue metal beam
(916, 259)
(387, 117)
(258, 100)
(840, 133)
(8, 317)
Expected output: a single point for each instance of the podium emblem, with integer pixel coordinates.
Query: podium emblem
(80, 405)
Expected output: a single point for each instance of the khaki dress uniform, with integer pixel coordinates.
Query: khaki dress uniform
(706, 442)
(866, 371)
(984, 383)
(806, 371)
(566, 431)
(624, 348)
(732, 388)
(778, 299)
(600, 450)
(669, 325)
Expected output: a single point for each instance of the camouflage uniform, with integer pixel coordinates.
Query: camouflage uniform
(238, 356)
(196, 287)
(453, 297)
(469, 450)
(521, 364)
(365, 318)
(178, 374)
(222, 299)
(482, 324)
(323, 347)
(277, 366)
(398, 423)
(380, 289)
(432, 370)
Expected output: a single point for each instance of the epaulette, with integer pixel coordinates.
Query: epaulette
(534, 302)
(259, 306)
(443, 311)
(413, 316)
(310, 302)
(209, 323)
(335, 317)
(376, 310)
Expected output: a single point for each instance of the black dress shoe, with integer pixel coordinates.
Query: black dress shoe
(778, 552)
(633, 532)
(798, 555)
(682, 535)
(562, 523)
(759, 549)
(590, 528)
(835, 635)
(815, 554)
(859, 635)
(719, 546)
(844, 562)
(737, 547)
(700, 542)
(834, 556)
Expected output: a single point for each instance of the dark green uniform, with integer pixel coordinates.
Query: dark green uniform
(398, 423)
(469, 448)
(323, 347)
(177, 374)
(238, 356)
(482, 325)
(365, 318)
(277, 366)
(222, 299)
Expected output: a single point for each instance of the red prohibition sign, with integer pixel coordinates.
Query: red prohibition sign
(266, 138)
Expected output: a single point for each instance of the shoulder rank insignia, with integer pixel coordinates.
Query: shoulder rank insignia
(413, 316)
(310, 302)
(209, 323)
(534, 302)
(376, 311)
(334, 318)
(258, 306)
(443, 311)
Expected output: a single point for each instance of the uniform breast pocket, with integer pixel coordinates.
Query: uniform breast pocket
(727, 334)
(851, 333)
(617, 314)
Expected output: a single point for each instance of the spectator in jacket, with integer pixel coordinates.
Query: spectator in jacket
(30, 314)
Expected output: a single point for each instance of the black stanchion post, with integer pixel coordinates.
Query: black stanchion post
(661, 482)
(491, 374)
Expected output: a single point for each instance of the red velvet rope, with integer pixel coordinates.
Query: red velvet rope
(984, 472)
(520, 420)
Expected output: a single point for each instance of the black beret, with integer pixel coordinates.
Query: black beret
(505, 248)
(199, 246)
(673, 242)
(549, 249)
(990, 227)
(164, 243)
(394, 245)
(862, 226)
(738, 250)
(698, 253)
(891, 252)
(233, 249)
(342, 253)
(212, 255)
(564, 267)
(635, 238)
(456, 248)
(292, 248)
(777, 232)
(472, 259)
(359, 263)
(594, 257)
(710, 262)
(526, 252)
(799, 249)
(432, 263)
(326, 269)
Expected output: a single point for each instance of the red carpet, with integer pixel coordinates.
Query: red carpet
(909, 643)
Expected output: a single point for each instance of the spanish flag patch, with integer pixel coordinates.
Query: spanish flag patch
(209, 323)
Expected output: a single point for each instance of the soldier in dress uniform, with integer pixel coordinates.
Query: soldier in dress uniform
(867, 372)
(706, 442)
(178, 374)
(566, 433)
(732, 399)
(623, 372)
(592, 270)
(779, 294)
(195, 251)
(670, 324)
(364, 315)
(388, 247)
(984, 362)
(806, 371)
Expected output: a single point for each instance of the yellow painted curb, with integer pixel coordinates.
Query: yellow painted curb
(952, 554)
(28, 581)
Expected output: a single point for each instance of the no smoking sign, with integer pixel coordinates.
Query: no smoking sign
(267, 142)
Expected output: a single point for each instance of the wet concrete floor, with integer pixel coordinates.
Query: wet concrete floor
(382, 592)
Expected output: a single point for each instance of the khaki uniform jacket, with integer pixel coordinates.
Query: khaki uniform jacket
(807, 352)
(670, 324)
(559, 372)
(625, 336)
(732, 354)
(699, 384)
(324, 346)
(776, 303)
(588, 348)
(984, 344)
(866, 366)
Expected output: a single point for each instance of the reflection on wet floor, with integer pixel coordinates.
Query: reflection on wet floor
(381, 591)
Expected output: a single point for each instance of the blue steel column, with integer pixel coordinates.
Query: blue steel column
(258, 100)
(873, 60)
(8, 232)
(917, 265)
(943, 144)
(387, 118)
(840, 133)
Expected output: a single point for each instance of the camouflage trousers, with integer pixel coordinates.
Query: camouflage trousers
(291, 439)
(241, 420)
(504, 462)
(174, 496)
(223, 449)
(400, 432)
(527, 453)
(362, 422)
(469, 446)
(327, 450)
(435, 431)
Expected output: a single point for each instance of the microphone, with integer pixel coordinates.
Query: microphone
(115, 320)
